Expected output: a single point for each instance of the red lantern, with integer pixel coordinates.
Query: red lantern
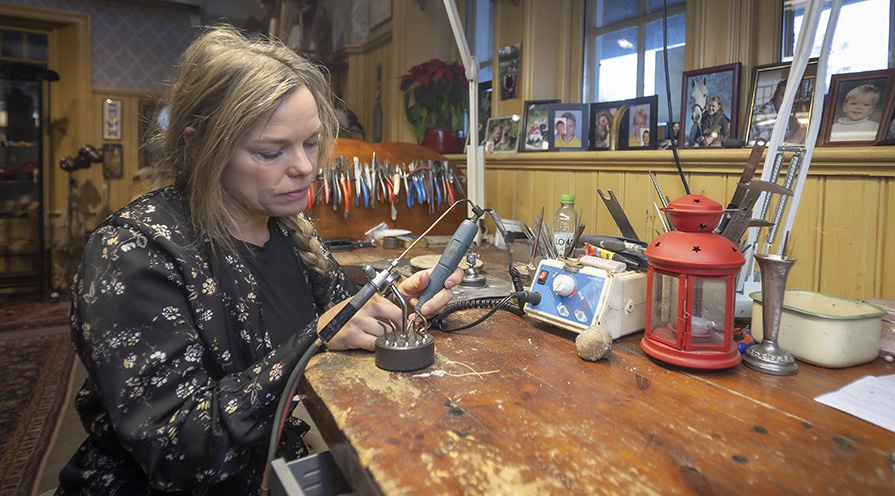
(691, 286)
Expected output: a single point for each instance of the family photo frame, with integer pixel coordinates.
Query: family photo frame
(568, 125)
(768, 86)
(639, 127)
(887, 133)
(535, 126)
(710, 103)
(502, 134)
(856, 109)
(604, 126)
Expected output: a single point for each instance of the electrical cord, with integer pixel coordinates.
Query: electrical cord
(677, 160)
(284, 411)
(495, 303)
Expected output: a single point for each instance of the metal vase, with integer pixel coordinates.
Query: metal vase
(767, 356)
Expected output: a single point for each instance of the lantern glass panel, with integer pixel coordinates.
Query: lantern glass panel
(663, 320)
(709, 313)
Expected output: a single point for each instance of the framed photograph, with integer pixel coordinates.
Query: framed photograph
(568, 126)
(113, 161)
(603, 135)
(639, 126)
(111, 119)
(710, 104)
(887, 130)
(508, 67)
(855, 108)
(768, 84)
(673, 134)
(503, 134)
(535, 126)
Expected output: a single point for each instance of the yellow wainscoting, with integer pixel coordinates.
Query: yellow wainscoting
(841, 231)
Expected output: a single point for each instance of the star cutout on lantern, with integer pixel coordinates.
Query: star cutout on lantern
(697, 249)
(734, 248)
(657, 244)
(702, 226)
(696, 200)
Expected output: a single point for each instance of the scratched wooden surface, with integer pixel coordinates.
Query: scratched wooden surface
(509, 408)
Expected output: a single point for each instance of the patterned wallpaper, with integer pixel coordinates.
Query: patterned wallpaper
(132, 47)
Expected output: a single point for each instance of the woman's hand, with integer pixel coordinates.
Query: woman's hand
(380, 315)
(412, 288)
(372, 320)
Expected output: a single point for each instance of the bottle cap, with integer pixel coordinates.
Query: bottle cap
(567, 199)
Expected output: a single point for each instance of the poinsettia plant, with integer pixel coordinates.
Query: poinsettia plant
(435, 96)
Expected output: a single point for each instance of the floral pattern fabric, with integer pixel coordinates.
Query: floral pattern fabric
(183, 376)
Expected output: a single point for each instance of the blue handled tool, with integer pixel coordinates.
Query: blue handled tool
(453, 253)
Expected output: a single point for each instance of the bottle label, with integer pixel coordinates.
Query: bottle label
(561, 240)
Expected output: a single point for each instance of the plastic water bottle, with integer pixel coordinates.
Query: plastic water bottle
(565, 222)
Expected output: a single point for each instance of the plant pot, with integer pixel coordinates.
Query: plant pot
(443, 141)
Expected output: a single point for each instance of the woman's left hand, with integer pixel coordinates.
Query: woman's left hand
(412, 288)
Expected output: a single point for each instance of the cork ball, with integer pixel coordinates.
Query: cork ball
(594, 343)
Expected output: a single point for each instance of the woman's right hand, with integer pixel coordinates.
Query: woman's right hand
(370, 322)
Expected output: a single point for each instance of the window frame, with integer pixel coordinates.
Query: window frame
(591, 33)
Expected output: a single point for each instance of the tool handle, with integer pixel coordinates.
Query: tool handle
(607, 242)
(449, 260)
(348, 311)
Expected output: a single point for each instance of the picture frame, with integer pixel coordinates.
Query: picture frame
(887, 130)
(113, 160)
(639, 125)
(856, 105)
(768, 84)
(534, 126)
(508, 61)
(572, 120)
(111, 119)
(719, 85)
(503, 134)
(603, 134)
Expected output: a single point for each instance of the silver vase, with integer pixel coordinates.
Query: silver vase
(767, 356)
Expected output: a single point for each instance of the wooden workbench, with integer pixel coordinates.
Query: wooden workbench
(509, 408)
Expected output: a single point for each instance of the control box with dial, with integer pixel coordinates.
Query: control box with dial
(576, 297)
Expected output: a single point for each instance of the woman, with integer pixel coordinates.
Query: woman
(714, 124)
(193, 304)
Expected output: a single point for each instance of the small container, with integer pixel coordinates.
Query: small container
(824, 330)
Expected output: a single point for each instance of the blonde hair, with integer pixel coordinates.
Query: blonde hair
(226, 83)
(716, 99)
(864, 90)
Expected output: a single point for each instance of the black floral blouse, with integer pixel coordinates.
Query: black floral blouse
(183, 377)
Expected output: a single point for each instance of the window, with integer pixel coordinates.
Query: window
(480, 34)
(624, 51)
(863, 40)
(23, 46)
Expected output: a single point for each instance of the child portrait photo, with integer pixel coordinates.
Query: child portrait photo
(855, 105)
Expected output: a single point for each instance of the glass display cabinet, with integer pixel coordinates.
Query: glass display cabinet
(23, 252)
